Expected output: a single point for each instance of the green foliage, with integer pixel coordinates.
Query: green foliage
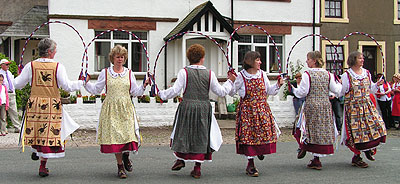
(144, 99)
(22, 95)
(63, 93)
(294, 69)
(72, 98)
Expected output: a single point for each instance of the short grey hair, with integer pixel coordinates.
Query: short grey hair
(45, 45)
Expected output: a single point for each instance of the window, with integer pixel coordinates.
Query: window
(136, 61)
(333, 8)
(265, 47)
(334, 11)
(334, 61)
(396, 19)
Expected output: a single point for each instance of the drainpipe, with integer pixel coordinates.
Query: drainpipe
(165, 67)
(232, 27)
(313, 25)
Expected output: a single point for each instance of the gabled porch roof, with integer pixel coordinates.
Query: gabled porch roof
(28, 22)
(196, 14)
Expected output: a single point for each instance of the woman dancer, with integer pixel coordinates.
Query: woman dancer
(318, 128)
(118, 129)
(256, 129)
(363, 128)
(192, 139)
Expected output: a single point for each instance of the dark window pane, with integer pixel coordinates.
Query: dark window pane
(141, 35)
(260, 39)
(104, 36)
(273, 59)
(245, 39)
(101, 56)
(139, 59)
(243, 49)
(277, 39)
(119, 35)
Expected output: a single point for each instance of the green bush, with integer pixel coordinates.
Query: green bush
(22, 95)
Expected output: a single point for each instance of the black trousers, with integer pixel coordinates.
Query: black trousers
(386, 109)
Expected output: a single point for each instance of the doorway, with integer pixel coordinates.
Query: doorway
(370, 61)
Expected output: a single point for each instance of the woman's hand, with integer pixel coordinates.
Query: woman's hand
(280, 81)
(231, 76)
(147, 82)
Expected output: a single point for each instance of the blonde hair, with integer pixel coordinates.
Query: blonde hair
(118, 50)
(297, 75)
(317, 56)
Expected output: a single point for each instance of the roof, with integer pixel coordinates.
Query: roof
(188, 22)
(36, 16)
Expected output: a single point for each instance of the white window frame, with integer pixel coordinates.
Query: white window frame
(267, 45)
(129, 41)
(343, 19)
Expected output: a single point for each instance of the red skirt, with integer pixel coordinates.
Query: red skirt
(319, 149)
(371, 144)
(254, 150)
(194, 157)
(49, 151)
(119, 148)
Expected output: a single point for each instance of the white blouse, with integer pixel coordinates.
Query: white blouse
(239, 86)
(303, 89)
(346, 82)
(62, 78)
(97, 88)
(180, 84)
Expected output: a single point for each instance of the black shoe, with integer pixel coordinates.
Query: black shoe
(34, 156)
(260, 157)
(127, 162)
(369, 155)
(301, 154)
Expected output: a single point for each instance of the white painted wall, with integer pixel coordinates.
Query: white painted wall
(70, 48)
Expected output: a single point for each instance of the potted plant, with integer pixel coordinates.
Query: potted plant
(92, 98)
(85, 99)
(178, 99)
(158, 100)
(144, 99)
(64, 96)
(78, 94)
(102, 97)
(72, 98)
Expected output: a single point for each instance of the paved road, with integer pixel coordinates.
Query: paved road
(152, 165)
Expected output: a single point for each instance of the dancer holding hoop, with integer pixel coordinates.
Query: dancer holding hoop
(196, 133)
(317, 124)
(46, 122)
(118, 128)
(256, 129)
(363, 127)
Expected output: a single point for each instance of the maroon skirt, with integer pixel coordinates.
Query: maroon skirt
(119, 148)
(254, 150)
(319, 149)
(371, 144)
(197, 157)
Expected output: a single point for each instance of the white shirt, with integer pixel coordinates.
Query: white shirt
(382, 90)
(3, 95)
(5, 81)
(180, 84)
(239, 86)
(62, 78)
(97, 88)
(346, 82)
(302, 90)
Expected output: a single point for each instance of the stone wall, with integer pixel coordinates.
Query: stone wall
(155, 114)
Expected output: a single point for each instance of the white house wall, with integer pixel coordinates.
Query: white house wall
(70, 48)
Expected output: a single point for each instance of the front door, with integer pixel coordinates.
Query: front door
(369, 53)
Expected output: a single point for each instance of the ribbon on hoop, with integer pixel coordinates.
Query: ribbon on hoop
(262, 29)
(20, 66)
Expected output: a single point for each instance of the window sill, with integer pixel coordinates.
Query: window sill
(335, 20)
